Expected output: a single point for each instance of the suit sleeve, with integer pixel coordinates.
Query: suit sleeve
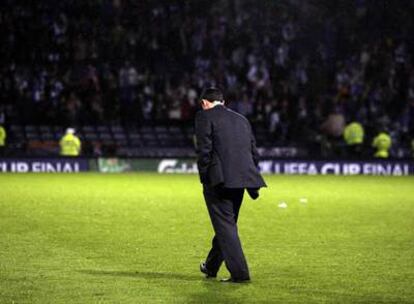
(204, 146)
(255, 153)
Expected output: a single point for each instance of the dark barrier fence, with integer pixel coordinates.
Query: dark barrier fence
(267, 166)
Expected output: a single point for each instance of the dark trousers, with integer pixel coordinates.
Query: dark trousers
(223, 206)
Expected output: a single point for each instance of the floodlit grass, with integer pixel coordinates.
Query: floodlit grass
(139, 238)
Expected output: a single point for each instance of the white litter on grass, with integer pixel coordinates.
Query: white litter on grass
(303, 200)
(282, 205)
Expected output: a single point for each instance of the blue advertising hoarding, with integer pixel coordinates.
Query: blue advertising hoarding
(306, 167)
(173, 165)
(50, 165)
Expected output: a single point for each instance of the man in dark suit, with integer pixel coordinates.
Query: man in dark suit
(227, 164)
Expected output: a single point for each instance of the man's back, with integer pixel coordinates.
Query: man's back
(227, 163)
(225, 140)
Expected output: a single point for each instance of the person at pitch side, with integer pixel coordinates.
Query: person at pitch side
(227, 164)
(70, 144)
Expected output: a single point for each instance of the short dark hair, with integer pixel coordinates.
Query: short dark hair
(212, 94)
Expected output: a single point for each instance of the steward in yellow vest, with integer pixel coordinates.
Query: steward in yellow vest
(354, 138)
(70, 144)
(382, 142)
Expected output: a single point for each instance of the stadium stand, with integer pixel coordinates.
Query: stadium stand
(163, 141)
(129, 84)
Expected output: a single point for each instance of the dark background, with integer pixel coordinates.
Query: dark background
(127, 74)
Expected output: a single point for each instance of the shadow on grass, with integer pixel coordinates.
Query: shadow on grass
(143, 275)
(212, 291)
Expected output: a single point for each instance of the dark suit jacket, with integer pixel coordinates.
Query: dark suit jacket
(226, 149)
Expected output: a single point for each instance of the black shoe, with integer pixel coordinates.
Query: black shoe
(233, 280)
(208, 273)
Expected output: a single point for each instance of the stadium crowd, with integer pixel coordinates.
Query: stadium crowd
(302, 71)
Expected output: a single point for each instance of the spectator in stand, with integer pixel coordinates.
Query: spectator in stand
(334, 125)
(74, 74)
(412, 148)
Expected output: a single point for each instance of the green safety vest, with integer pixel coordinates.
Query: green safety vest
(2, 136)
(70, 145)
(382, 142)
(354, 134)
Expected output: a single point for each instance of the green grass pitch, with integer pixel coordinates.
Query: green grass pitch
(139, 238)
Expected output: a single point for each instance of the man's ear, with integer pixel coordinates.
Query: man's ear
(204, 104)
